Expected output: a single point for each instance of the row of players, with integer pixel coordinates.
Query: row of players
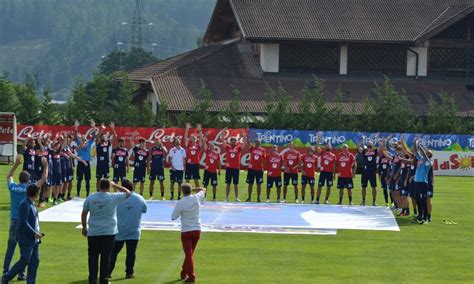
(395, 164)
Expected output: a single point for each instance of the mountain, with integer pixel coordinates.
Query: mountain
(59, 40)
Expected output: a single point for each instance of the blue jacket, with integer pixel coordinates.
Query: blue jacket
(28, 223)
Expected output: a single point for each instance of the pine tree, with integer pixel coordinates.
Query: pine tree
(8, 97)
(231, 116)
(28, 113)
(49, 112)
(443, 117)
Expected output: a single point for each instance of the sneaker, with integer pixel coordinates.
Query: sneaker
(69, 198)
(248, 200)
(214, 200)
(150, 198)
(326, 202)
(129, 276)
(339, 203)
(362, 203)
(179, 197)
(237, 200)
(374, 204)
(226, 200)
(259, 200)
(21, 278)
(350, 203)
(302, 201)
(171, 197)
(41, 205)
(297, 201)
(55, 202)
(267, 201)
(282, 200)
(163, 198)
(316, 202)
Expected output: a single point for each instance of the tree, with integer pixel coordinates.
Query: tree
(278, 109)
(391, 110)
(119, 60)
(200, 113)
(49, 112)
(28, 112)
(146, 117)
(162, 117)
(98, 92)
(335, 118)
(443, 117)
(312, 106)
(8, 97)
(80, 105)
(125, 112)
(231, 116)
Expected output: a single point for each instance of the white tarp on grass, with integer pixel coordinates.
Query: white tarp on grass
(253, 217)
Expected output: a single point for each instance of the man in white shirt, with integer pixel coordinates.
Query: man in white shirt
(189, 210)
(177, 160)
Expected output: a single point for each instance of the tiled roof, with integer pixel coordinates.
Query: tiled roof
(234, 65)
(343, 20)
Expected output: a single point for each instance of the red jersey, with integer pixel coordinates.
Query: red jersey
(274, 163)
(344, 164)
(291, 160)
(232, 156)
(193, 154)
(257, 157)
(212, 161)
(327, 162)
(309, 165)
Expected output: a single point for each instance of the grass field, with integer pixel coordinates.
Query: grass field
(433, 253)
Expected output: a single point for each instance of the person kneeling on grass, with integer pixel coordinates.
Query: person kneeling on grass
(129, 217)
(101, 208)
(188, 208)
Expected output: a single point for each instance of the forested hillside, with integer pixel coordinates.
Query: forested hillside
(59, 40)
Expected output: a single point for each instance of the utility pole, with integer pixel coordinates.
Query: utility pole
(137, 22)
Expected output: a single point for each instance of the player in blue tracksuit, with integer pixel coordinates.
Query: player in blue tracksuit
(423, 167)
(56, 175)
(29, 155)
(103, 145)
(140, 157)
(156, 167)
(120, 161)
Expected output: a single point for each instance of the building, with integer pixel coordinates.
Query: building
(424, 46)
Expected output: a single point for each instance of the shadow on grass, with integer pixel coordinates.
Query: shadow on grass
(175, 281)
(4, 207)
(405, 222)
(80, 282)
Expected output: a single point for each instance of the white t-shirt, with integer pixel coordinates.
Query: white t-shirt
(176, 158)
(189, 209)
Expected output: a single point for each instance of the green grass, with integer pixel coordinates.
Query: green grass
(429, 253)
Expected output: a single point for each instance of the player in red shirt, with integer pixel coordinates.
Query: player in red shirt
(346, 168)
(308, 166)
(273, 164)
(233, 153)
(193, 155)
(212, 167)
(291, 161)
(255, 168)
(326, 175)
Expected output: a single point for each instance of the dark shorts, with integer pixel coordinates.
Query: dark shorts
(69, 175)
(63, 170)
(288, 176)
(393, 186)
(83, 171)
(345, 182)
(120, 174)
(430, 191)
(369, 177)
(272, 180)
(254, 176)
(403, 190)
(209, 177)
(56, 179)
(326, 177)
(157, 173)
(192, 172)
(139, 174)
(307, 180)
(176, 176)
(421, 189)
(232, 176)
(33, 177)
(102, 170)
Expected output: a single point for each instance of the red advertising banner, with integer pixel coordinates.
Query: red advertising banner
(7, 128)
